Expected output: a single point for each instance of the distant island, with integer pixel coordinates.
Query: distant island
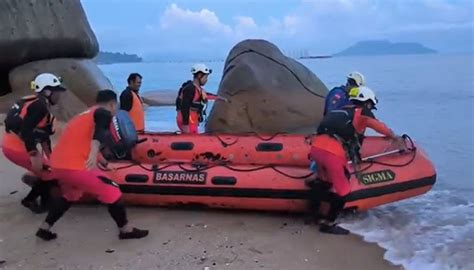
(110, 58)
(315, 57)
(385, 47)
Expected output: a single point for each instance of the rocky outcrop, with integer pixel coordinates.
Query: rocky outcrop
(268, 92)
(34, 30)
(81, 77)
(48, 36)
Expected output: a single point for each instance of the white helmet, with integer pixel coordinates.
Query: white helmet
(357, 77)
(363, 93)
(46, 79)
(200, 68)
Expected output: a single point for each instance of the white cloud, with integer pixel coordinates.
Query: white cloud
(245, 27)
(176, 17)
(245, 22)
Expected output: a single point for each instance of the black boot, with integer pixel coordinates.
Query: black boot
(333, 229)
(134, 234)
(46, 235)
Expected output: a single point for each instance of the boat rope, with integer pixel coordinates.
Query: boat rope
(224, 143)
(261, 137)
(202, 168)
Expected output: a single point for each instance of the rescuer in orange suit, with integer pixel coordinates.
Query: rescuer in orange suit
(340, 135)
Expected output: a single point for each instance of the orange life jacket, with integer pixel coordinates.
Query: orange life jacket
(198, 102)
(73, 147)
(136, 113)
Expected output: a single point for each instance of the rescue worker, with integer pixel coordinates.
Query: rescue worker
(131, 101)
(339, 137)
(74, 164)
(192, 99)
(28, 124)
(338, 97)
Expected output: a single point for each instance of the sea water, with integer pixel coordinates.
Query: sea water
(429, 97)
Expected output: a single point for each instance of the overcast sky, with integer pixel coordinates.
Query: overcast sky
(182, 28)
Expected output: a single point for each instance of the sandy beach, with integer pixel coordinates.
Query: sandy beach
(179, 239)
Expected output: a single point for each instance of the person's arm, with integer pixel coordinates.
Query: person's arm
(188, 96)
(211, 96)
(126, 100)
(368, 120)
(102, 120)
(34, 114)
(380, 127)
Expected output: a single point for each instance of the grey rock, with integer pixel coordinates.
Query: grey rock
(268, 93)
(32, 30)
(82, 78)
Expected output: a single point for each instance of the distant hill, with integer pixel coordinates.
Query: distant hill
(384, 47)
(111, 58)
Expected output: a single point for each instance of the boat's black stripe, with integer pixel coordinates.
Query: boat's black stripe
(399, 187)
(270, 193)
(216, 192)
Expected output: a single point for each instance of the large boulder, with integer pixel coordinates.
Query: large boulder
(33, 30)
(82, 78)
(268, 92)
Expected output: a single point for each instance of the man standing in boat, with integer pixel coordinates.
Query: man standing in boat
(131, 101)
(74, 164)
(338, 97)
(192, 99)
(339, 138)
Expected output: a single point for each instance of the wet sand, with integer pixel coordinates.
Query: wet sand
(179, 239)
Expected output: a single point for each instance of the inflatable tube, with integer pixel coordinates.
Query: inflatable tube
(280, 149)
(382, 180)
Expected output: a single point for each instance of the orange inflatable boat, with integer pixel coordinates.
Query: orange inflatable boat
(261, 173)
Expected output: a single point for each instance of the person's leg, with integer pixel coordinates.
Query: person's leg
(322, 184)
(193, 129)
(119, 215)
(108, 192)
(47, 193)
(193, 122)
(179, 123)
(333, 172)
(58, 207)
(59, 204)
(328, 224)
(38, 188)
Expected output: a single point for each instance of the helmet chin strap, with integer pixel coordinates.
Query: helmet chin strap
(50, 101)
(48, 98)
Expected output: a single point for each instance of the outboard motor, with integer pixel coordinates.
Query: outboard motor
(123, 137)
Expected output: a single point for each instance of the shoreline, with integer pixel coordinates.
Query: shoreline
(179, 239)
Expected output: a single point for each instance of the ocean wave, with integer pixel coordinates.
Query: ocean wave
(434, 231)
